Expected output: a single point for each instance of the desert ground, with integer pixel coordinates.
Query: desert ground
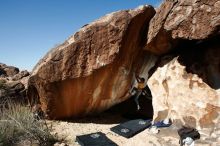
(68, 131)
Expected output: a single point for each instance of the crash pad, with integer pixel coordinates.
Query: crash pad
(130, 128)
(161, 124)
(95, 139)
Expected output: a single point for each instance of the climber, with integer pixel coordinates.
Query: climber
(140, 89)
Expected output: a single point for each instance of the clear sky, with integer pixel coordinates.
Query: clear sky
(29, 28)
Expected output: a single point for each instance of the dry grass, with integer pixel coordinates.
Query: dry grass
(18, 124)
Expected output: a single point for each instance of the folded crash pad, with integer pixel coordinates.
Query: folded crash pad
(94, 139)
(131, 128)
(161, 124)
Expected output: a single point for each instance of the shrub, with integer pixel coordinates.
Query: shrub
(17, 124)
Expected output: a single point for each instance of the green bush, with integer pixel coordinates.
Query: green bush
(17, 124)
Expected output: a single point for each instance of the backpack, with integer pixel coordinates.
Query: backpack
(185, 132)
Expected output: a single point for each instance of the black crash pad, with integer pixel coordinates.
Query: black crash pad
(131, 128)
(94, 139)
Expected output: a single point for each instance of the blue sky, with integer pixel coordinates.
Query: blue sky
(29, 28)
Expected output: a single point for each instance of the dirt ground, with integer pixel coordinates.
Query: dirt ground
(69, 130)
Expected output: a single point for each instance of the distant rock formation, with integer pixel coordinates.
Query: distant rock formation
(93, 70)
(13, 83)
(8, 71)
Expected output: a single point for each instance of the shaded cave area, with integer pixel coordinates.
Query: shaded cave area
(119, 113)
(200, 57)
(128, 108)
(203, 59)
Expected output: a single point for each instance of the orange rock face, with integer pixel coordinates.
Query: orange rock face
(93, 69)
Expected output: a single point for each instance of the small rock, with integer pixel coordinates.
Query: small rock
(20, 75)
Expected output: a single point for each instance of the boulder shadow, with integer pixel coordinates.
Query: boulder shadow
(200, 57)
(120, 113)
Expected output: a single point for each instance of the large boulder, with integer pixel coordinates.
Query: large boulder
(185, 82)
(94, 68)
(178, 20)
(186, 88)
